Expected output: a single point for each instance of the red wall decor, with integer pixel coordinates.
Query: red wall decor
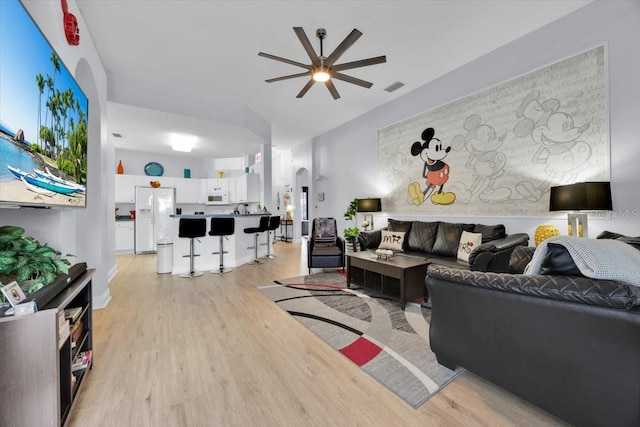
(70, 23)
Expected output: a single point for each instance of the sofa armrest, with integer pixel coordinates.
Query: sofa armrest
(494, 255)
(508, 242)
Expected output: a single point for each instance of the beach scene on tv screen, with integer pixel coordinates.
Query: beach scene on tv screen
(43, 118)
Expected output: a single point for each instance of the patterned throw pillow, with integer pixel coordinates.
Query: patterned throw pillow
(325, 232)
(468, 242)
(392, 240)
(400, 226)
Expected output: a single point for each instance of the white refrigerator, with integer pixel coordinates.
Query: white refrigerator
(153, 222)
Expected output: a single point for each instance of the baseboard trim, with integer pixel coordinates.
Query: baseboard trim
(102, 301)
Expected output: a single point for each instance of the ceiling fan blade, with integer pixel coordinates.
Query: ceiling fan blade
(291, 76)
(305, 88)
(302, 36)
(350, 79)
(360, 63)
(332, 89)
(288, 61)
(342, 47)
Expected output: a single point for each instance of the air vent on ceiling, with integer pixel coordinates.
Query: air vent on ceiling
(117, 135)
(394, 87)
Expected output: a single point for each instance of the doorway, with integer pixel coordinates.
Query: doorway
(304, 211)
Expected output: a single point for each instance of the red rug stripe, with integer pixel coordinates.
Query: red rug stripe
(361, 351)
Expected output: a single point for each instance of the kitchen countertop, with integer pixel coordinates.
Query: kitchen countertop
(219, 215)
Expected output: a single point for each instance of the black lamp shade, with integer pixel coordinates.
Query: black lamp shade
(369, 205)
(581, 196)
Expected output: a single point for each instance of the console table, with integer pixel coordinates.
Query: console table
(285, 224)
(400, 278)
(38, 380)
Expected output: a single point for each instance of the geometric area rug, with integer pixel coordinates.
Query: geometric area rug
(390, 344)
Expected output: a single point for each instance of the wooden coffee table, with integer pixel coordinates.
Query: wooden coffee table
(400, 278)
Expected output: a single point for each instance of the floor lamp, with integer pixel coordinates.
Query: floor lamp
(369, 205)
(581, 196)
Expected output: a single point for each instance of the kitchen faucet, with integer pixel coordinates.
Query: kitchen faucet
(236, 210)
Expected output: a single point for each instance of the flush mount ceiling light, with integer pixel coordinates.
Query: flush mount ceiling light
(323, 69)
(182, 142)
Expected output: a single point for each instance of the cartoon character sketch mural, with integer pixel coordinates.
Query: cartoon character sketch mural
(561, 149)
(397, 162)
(498, 151)
(435, 171)
(484, 160)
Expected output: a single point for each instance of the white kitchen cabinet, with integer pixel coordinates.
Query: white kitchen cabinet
(124, 236)
(188, 190)
(247, 188)
(165, 181)
(217, 185)
(124, 189)
(233, 197)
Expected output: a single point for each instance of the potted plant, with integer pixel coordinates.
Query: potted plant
(27, 261)
(351, 233)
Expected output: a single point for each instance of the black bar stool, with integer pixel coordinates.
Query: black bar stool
(222, 227)
(192, 228)
(264, 223)
(274, 224)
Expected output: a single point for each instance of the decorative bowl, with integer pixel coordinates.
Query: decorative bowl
(385, 254)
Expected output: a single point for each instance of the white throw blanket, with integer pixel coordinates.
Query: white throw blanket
(595, 258)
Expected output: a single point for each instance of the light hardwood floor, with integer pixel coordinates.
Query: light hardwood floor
(213, 351)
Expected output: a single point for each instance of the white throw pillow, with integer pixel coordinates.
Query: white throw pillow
(392, 240)
(468, 242)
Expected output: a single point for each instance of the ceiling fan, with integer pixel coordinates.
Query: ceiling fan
(323, 69)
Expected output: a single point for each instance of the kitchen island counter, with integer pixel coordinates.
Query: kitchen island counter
(237, 246)
(218, 215)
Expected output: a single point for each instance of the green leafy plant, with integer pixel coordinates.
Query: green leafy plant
(351, 233)
(24, 258)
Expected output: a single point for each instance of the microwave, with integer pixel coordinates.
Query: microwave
(217, 198)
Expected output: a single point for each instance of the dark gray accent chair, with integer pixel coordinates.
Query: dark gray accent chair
(321, 254)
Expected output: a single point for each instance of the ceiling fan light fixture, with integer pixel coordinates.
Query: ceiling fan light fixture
(323, 69)
(321, 74)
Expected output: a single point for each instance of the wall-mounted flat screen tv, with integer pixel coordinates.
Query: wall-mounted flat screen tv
(43, 119)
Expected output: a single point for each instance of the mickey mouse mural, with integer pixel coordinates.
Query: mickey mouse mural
(435, 171)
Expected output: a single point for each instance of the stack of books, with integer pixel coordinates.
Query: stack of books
(82, 361)
(73, 316)
(72, 313)
(63, 329)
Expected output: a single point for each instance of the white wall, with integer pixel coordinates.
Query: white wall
(346, 157)
(281, 164)
(134, 162)
(87, 233)
(301, 160)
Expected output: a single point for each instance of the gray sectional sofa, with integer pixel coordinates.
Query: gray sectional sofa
(438, 241)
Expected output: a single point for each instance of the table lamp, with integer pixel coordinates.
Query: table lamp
(369, 205)
(581, 196)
